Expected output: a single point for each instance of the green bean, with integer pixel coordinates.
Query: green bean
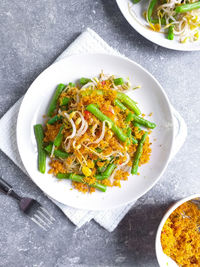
(97, 113)
(84, 81)
(72, 84)
(65, 101)
(101, 169)
(129, 117)
(127, 101)
(151, 7)
(136, 124)
(144, 122)
(57, 153)
(58, 140)
(109, 170)
(79, 179)
(118, 81)
(128, 133)
(134, 141)
(71, 176)
(39, 136)
(53, 103)
(54, 119)
(141, 121)
(150, 10)
(100, 187)
(187, 7)
(138, 154)
(170, 35)
(107, 173)
(119, 104)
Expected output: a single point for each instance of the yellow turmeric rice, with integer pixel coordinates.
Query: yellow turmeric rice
(90, 139)
(180, 236)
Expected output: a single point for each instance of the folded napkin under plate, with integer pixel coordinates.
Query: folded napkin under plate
(87, 42)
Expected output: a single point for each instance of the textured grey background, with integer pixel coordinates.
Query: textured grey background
(32, 34)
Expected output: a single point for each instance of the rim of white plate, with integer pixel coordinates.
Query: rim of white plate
(152, 36)
(20, 142)
(161, 257)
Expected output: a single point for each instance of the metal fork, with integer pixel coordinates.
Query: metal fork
(29, 206)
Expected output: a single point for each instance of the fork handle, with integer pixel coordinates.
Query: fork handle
(7, 189)
(4, 186)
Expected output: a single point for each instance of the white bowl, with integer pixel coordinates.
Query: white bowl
(150, 97)
(163, 259)
(138, 22)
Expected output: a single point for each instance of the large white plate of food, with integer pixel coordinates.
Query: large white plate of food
(173, 24)
(95, 131)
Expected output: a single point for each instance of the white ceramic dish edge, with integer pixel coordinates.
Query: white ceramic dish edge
(164, 260)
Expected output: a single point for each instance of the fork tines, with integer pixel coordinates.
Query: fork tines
(42, 218)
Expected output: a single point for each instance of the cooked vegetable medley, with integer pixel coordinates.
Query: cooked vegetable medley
(94, 134)
(174, 17)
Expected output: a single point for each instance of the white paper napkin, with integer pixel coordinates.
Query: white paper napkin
(87, 42)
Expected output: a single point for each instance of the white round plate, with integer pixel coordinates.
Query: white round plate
(134, 15)
(151, 98)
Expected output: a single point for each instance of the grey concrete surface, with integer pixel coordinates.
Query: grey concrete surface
(32, 34)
